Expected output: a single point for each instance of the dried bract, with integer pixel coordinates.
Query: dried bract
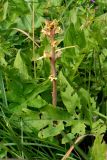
(51, 28)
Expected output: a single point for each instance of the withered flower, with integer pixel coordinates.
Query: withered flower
(51, 28)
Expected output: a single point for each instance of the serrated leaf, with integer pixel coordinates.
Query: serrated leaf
(98, 127)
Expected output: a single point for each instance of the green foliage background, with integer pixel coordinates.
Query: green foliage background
(26, 127)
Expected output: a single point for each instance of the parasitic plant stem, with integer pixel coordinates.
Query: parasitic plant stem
(53, 74)
(50, 30)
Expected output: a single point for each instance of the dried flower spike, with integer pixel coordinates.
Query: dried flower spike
(51, 28)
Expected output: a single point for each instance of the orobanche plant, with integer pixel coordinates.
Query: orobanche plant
(53, 79)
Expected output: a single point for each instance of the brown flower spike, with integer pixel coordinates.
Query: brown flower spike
(50, 30)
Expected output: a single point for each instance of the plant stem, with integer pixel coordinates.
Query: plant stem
(79, 139)
(50, 30)
(33, 37)
(53, 74)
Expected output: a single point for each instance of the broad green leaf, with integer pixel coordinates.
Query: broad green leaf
(37, 102)
(86, 108)
(5, 9)
(16, 87)
(74, 36)
(51, 113)
(99, 149)
(69, 40)
(73, 16)
(32, 125)
(16, 108)
(28, 87)
(98, 127)
(39, 88)
(20, 65)
(51, 130)
(78, 128)
(20, 6)
(68, 138)
(69, 97)
(12, 97)
(24, 23)
(39, 21)
(84, 96)
(31, 119)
